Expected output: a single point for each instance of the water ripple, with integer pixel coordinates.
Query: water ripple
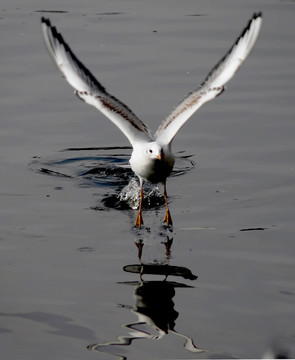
(107, 168)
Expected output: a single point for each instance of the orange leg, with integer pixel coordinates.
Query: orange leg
(167, 218)
(139, 220)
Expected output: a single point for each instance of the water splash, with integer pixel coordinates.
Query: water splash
(107, 168)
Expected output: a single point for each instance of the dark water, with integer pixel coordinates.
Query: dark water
(78, 282)
(108, 169)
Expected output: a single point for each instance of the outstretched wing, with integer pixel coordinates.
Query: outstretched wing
(87, 88)
(214, 84)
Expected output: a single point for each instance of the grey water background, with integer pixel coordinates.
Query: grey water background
(63, 251)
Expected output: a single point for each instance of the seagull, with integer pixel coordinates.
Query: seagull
(151, 159)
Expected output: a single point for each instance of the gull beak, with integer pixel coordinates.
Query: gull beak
(159, 157)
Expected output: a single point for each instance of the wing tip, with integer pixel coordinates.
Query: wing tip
(257, 14)
(46, 23)
(45, 20)
(256, 17)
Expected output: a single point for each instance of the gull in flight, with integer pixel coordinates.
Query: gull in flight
(152, 159)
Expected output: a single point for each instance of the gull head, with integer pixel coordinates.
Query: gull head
(154, 151)
(151, 161)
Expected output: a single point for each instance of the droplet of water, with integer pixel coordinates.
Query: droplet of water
(130, 194)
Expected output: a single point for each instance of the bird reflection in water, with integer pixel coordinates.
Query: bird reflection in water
(154, 308)
(167, 244)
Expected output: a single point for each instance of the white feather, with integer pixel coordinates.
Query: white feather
(214, 84)
(89, 89)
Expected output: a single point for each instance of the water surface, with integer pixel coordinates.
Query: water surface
(71, 274)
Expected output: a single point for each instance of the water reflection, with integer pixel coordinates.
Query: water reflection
(154, 308)
(139, 243)
(158, 269)
(153, 300)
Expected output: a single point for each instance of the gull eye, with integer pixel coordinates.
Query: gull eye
(150, 151)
